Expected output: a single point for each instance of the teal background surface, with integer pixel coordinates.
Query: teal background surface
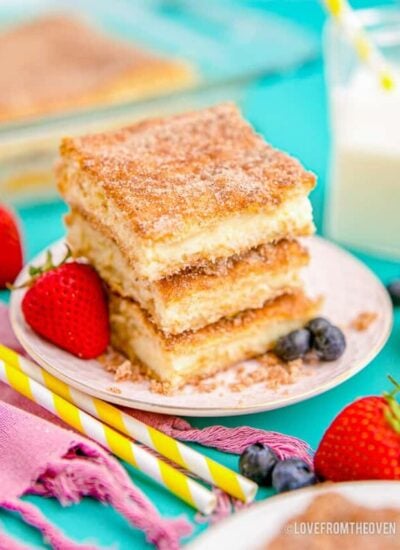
(291, 112)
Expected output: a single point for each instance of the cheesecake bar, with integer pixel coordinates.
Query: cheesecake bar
(176, 192)
(177, 359)
(196, 296)
(57, 63)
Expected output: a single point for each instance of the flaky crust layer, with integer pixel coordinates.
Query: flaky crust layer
(176, 360)
(271, 258)
(197, 296)
(287, 307)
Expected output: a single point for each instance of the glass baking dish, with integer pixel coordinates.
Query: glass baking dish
(228, 44)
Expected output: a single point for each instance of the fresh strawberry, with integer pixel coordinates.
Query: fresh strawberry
(10, 247)
(363, 442)
(67, 305)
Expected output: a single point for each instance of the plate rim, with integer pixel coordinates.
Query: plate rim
(220, 411)
(323, 487)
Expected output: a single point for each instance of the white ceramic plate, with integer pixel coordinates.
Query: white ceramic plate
(254, 528)
(349, 288)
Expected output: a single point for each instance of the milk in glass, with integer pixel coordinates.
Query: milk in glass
(363, 208)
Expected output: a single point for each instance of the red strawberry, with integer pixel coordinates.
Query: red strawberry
(363, 442)
(10, 247)
(68, 306)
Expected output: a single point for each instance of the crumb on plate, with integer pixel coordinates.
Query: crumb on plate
(113, 389)
(124, 371)
(266, 369)
(363, 320)
(269, 370)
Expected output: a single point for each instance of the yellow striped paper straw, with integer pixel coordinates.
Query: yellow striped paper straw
(175, 481)
(211, 471)
(347, 18)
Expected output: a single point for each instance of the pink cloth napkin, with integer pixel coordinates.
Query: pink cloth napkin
(60, 463)
(38, 456)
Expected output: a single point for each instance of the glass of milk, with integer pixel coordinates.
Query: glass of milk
(363, 206)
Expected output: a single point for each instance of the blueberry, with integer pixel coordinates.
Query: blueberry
(257, 462)
(330, 343)
(394, 292)
(292, 473)
(319, 324)
(294, 345)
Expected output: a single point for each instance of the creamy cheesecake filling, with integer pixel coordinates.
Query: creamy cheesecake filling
(157, 259)
(194, 299)
(196, 311)
(231, 236)
(167, 364)
(177, 359)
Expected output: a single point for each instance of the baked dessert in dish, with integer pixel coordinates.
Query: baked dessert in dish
(197, 296)
(181, 358)
(182, 190)
(192, 222)
(57, 62)
(335, 509)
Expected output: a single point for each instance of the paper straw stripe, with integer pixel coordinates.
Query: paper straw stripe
(188, 490)
(56, 385)
(363, 47)
(19, 382)
(165, 445)
(67, 412)
(9, 356)
(96, 429)
(206, 468)
(47, 398)
(119, 445)
(197, 463)
(110, 414)
(89, 405)
(387, 80)
(218, 474)
(227, 479)
(336, 7)
(171, 482)
(366, 50)
(141, 432)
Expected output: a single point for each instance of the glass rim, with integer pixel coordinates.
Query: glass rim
(381, 22)
(372, 16)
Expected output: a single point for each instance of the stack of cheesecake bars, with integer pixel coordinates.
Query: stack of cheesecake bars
(192, 223)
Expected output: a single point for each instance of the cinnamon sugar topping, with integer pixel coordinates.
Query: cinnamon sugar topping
(167, 174)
